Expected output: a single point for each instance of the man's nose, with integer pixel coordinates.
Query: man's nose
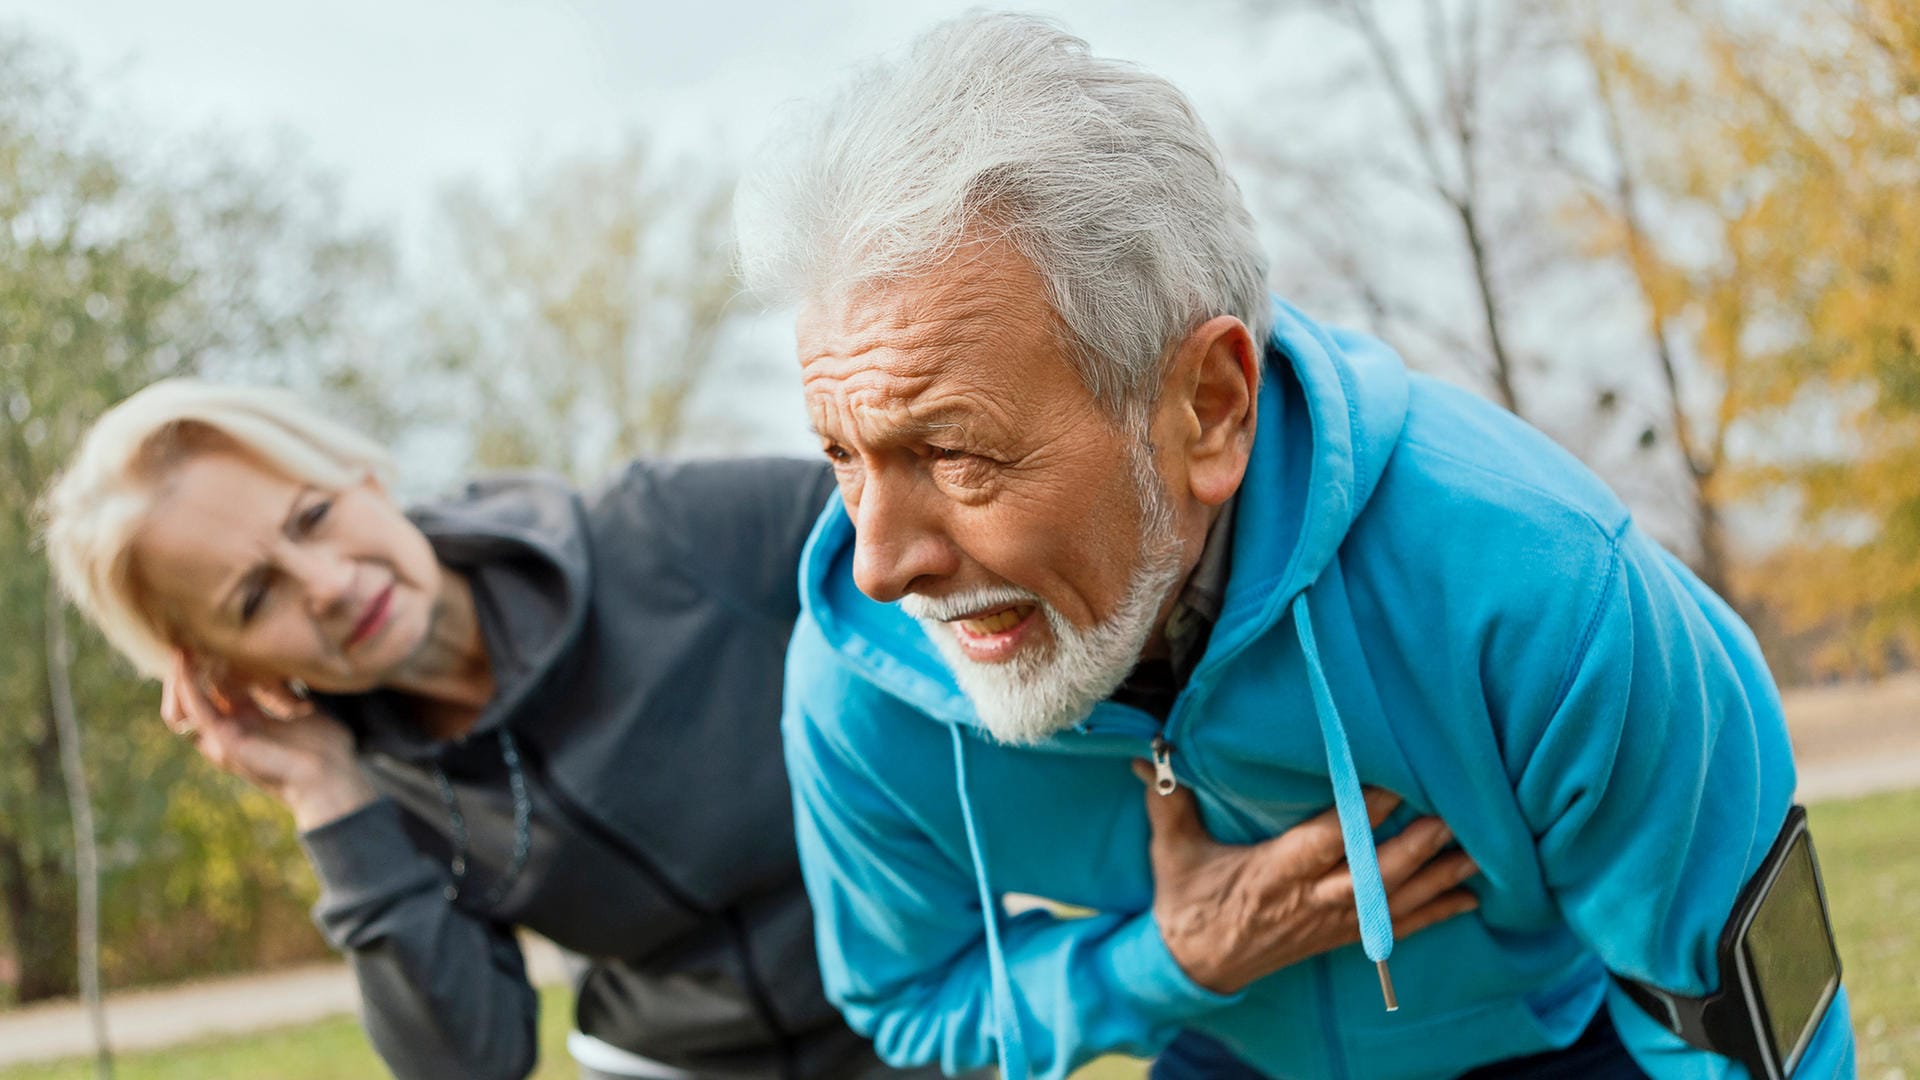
(899, 545)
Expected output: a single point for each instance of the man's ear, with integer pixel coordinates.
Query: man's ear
(1215, 380)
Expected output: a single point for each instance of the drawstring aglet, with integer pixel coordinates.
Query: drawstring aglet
(1386, 987)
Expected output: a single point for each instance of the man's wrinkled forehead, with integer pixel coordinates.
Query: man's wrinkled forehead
(919, 354)
(930, 321)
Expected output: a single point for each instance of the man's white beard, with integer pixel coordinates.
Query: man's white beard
(1037, 694)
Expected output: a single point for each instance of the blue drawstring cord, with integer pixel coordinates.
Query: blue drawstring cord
(1013, 1047)
(1356, 827)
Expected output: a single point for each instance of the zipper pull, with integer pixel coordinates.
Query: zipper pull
(1163, 780)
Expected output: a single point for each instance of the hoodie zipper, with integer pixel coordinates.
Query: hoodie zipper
(1164, 781)
(1159, 750)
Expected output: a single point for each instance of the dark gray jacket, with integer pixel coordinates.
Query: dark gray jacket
(637, 642)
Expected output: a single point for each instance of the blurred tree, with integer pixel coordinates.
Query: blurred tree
(1696, 296)
(1442, 108)
(115, 271)
(579, 321)
(1767, 207)
(1416, 167)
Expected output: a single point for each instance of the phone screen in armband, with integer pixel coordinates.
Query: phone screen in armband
(1792, 970)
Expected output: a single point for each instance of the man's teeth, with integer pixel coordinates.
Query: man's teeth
(998, 622)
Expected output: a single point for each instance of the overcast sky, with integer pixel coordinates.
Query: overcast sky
(400, 97)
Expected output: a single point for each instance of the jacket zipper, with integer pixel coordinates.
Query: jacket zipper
(1164, 781)
(757, 994)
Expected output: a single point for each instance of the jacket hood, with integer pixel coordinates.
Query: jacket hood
(1331, 407)
(521, 541)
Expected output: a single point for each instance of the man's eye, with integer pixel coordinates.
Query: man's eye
(838, 454)
(948, 453)
(312, 516)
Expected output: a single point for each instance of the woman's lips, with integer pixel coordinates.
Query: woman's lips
(373, 618)
(992, 636)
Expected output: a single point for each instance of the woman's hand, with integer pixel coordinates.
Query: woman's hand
(1232, 913)
(263, 735)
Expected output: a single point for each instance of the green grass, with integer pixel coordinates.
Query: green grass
(1870, 859)
(1868, 855)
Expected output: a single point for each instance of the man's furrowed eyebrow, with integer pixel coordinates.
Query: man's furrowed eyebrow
(940, 421)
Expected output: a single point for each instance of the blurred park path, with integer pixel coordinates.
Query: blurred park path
(1850, 739)
(1853, 739)
(151, 1019)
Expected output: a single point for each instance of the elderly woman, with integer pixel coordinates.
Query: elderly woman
(519, 707)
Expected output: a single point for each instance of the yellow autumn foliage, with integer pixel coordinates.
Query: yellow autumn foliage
(1778, 158)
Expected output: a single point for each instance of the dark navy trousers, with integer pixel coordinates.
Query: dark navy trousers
(1596, 1055)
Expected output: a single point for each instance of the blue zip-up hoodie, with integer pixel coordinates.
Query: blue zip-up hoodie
(1426, 595)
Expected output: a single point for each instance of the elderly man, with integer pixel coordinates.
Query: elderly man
(1100, 499)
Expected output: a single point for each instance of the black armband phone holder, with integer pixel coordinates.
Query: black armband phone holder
(1779, 968)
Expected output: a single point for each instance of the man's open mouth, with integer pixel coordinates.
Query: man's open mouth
(995, 634)
(997, 621)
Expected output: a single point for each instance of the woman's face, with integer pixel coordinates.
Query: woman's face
(275, 579)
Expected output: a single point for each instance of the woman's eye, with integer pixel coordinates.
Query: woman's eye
(252, 599)
(312, 516)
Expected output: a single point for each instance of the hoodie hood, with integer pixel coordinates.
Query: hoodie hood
(521, 541)
(1331, 410)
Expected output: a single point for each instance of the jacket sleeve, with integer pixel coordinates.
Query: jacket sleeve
(903, 952)
(1655, 779)
(443, 994)
(736, 526)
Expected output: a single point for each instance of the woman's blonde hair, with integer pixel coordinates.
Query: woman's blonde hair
(94, 509)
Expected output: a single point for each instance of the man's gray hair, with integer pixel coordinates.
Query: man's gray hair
(1006, 126)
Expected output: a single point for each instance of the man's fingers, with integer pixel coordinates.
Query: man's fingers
(1174, 817)
(1335, 890)
(1316, 843)
(1313, 846)
(1434, 879)
(1380, 803)
(1404, 855)
(1438, 910)
(1411, 868)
